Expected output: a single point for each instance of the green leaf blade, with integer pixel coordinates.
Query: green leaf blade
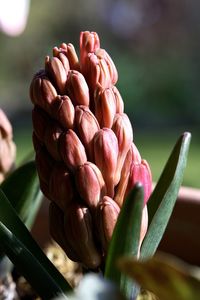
(163, 198)
(14, 225)
(125, 240)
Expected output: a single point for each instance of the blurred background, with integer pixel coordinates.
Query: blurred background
(155, 45)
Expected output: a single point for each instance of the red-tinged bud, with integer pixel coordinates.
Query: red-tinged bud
(42, 92)
(44, 165)
(107, 214)
(90, 184)
(72, 150)
(140, 172)
(56, 228)
(89, 43)
(7, 146)
(105, 108)
(133, 155)
(51, 140)
(79, 235)
(123, 131)
(119, 103)
(69, 51)
(40, 122)
(63, 111)
(86, 125)
(37, 144)
(57, 72)
(103, 55)
(144, 227)
(77, 88)
(61, 186)
(105, 156)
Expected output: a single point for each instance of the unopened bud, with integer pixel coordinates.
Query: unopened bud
(140, 172)
(57, 72)
(107, 214)
(72, 150)
(89, 43)
(133, 155)
(61, 186)
(79, 235)
(44, 165)
(123, 131)
(40, 122)
(90, 184)
(77, 88)
(69, 51)
(119, 103)
(42, 92)
(105, 156)
(86, 125)
(63, 111)
(105, 108)
(51, 140)
(56, 228)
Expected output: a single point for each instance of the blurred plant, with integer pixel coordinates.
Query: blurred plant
(90, 169)
(7, 146)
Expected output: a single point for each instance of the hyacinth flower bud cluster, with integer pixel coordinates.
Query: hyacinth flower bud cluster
(86, 159)
(7, 146)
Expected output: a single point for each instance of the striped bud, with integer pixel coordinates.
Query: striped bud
(57, 72)
(61, 186)
(140, 172)
(79, 235)
(42, 91)
(105, 108)
(72, 150)
(77, 88)
(63, 111)
(105, 156)
(107, 214)
(56, 228)
(89, 43)
(69, 51)
(90, 184)
(123, 131)
(86, 125)
(119, 103)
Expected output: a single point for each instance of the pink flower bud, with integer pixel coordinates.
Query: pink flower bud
(105, 108)
(63, 111)
(42, 92)
(90, 184)
(79, 235)
(89, 43)
(133, 155)
(86, 125)
(107, 214)
(44, 165)
(72, 150)
(51, 140)
(105, 156)
(77, 88)
(69, 51)
(57, 71)
(61, 186)
(119, 103)
(123, 131)
(140, 172)
(40, 122)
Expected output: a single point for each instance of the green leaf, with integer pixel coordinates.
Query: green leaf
(163, 198)
(125, 240)
(23, 251)
(165, 276)
(23, 191)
